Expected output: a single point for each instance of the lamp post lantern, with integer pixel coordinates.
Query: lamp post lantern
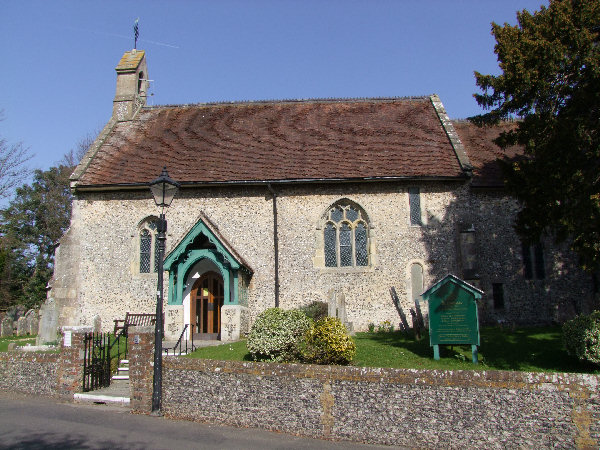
(163, 189)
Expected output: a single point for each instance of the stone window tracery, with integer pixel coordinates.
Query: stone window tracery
(345, 236)
(148, 247)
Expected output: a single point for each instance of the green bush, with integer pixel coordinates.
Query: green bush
(328, 342)
(581, 337)
(277, 335)
(315, 310)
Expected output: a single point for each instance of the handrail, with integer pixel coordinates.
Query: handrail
(118, 336)
(178, 344)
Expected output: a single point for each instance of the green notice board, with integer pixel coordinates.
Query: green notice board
(453, 317)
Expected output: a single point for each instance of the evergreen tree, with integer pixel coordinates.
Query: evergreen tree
(550, 80)
(30, 228)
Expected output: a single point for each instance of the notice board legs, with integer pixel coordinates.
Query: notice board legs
(475, 353)
(436, 352)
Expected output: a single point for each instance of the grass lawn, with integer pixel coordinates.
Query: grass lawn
(534, 349)
(20, 340)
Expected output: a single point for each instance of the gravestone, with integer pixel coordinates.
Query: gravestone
(336, 307)
(6, 326)
(97, 324)
(33, 322)
(22, 326)
(48, 327)
(453, 316)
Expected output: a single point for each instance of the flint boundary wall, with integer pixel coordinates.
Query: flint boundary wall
(29, 373)
(415, 408)
(57, 374)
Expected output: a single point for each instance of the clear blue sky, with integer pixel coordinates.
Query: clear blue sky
(58, 57)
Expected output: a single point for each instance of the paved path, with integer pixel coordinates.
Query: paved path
(28, 422)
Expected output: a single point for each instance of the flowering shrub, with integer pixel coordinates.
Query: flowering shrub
(581, 337)
(328, 342)
(277, 335)
(385, 327)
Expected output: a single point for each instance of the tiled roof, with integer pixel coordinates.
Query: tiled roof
(276, 141)
(483, 153)
(130, 60)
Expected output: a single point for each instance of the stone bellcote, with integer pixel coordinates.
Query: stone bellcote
(132, 85)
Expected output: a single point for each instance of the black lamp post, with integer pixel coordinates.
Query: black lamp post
(163, 189)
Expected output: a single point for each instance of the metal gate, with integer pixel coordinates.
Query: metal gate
(96, 361)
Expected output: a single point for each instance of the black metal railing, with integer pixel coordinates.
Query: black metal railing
(180, 342)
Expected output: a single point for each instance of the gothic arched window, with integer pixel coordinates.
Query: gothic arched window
(346, 236)
(148, 247)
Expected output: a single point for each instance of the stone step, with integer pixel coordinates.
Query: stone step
(116, 394)
(92, 397)
(120, 377)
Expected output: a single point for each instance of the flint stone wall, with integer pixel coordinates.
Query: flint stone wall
(97, 268)
(413, 408)
(30, 373)
(54, 374)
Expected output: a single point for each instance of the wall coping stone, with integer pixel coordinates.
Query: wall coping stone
(78, 328)
(495, 379)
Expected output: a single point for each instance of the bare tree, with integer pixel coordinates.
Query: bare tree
(73, 156)
(13, 164)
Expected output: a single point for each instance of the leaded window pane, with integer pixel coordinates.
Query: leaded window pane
(156, 256)
(152, 226)
(330, 246)
(345, 245)
(414, 200)
(360, 237)
(337, 214)
(145, 245)
(351, 214)
(540, 271)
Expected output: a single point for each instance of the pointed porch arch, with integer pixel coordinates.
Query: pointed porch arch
(204, 242)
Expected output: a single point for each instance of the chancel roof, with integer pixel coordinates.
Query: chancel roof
(307, 140)
(483, 154)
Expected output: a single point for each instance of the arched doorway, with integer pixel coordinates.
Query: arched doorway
(206, 299)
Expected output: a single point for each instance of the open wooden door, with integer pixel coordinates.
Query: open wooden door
(206, 300)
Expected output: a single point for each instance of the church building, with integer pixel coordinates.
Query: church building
(283, 203)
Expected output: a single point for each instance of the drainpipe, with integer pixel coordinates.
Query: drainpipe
(275, 244)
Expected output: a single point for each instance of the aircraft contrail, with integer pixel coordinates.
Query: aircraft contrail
(163, 44)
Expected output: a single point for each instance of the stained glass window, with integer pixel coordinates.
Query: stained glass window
(330, 245)
(345, 245)
(538, 252)
(360, 237)
(145, 246)
(148, 247)
(337, 214)
(351, 214)
(533, 258)
(156, 258)
(345, 237)
(414, 200)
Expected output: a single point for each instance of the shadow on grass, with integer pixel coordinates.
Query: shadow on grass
(536, 349)
(525, 349)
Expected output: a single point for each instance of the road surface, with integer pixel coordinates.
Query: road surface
(28, 422)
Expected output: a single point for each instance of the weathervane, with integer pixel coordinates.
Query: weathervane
(136, 33)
